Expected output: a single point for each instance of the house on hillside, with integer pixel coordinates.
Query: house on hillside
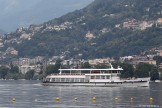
(89, 35)
(101, 61)
(25, 68)
(72, 63)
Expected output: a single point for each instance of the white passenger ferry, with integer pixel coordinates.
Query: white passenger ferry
(94, 77)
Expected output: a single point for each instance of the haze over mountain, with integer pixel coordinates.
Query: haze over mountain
(17, 13)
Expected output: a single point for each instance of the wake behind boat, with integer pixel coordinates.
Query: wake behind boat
(94, 77)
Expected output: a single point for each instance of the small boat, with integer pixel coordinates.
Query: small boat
(157, 81)
(94, 77)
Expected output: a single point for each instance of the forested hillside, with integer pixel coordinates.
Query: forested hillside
(103, 28)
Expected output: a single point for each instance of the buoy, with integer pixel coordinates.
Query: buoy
(116, 98)
(131, 98)
(13, 99)
(35, 100)
(94, 98)
(57, 99)
(76, 98)
(151, 99)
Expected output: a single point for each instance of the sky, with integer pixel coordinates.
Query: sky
(17, 13)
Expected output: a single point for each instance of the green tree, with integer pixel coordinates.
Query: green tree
(128, 70)
(3, 72)
(49, 69)
(102, 66)
(86, 65)
(158, 59)
(14, 76)
(29, 75)
(142, 70)
(154, 73)
(14, 69)
(53, 68)
(57, 66)
(145, 70)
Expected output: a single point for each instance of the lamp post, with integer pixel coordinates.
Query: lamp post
(159, 75)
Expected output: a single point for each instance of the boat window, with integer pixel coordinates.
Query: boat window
(92, 77)
(114, 75)
(77, 80)
(67, 79)
(82, 80)
(62, 79)
(72, 79)
(89, 77)
(57, 79)
(95, 72)
(53, 79)
(102, 77)
(97, 77)
(107, 77)
(86, 80)
(115, 72)
(48, 79)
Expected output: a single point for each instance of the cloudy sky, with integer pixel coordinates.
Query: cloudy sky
(16, 13)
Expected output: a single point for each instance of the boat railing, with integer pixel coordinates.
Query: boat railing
(78, 74)
(70, 80)
(64, 74)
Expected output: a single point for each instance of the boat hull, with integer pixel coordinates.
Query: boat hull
(110, 84)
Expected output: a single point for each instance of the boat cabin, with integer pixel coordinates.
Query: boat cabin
(86, 75)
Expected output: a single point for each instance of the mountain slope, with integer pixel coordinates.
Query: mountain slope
(104, 28)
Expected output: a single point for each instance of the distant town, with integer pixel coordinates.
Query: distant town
(40, 63)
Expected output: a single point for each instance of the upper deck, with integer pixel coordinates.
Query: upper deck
(90, 71)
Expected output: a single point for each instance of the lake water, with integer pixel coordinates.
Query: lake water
(31, 94)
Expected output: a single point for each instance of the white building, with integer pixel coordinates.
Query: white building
(24, 61)
(25, 68)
